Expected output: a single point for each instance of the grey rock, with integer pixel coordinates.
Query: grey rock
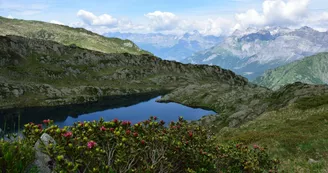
(15, 93)
(312, 161)
(1, 133)
(42, 160)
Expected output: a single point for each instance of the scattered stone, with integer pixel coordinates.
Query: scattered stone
(312, 161)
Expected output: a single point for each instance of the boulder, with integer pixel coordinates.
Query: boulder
(1, 133)
(42, 160)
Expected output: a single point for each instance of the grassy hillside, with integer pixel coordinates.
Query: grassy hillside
(67, 36)
(296, 134)
(291, 122)
(312, 70)
(40, 73)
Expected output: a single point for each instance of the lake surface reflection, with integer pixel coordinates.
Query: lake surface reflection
(132, 108)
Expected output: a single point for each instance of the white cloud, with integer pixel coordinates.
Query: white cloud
(56, 22)
(289, 13)
(275, 12)
(161, 21)
(22, 8)
(318, 20)
(10, 17)
(102, 20)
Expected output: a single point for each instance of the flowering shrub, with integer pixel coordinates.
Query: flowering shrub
(148, 146)
(16, 155)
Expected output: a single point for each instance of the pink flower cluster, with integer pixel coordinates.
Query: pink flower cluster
(68, 134)
(91, 144)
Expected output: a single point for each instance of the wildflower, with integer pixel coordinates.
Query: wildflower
(143, 142)
(155, 118)
(162, 122)
(135, 134)
(102, 128)
(256, 146)
(68, 134)
(40, 126)
(46, 121)
(81, 124)
(124, 123)
(127, 132)
(111, 129)
(91, 144)
(190, 133)
(115, 120)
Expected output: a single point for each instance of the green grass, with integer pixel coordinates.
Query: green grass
(311, 102)
(294, 135)
(66, 35)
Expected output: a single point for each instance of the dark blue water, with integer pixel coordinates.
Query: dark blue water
(134, 109)
(142, 111)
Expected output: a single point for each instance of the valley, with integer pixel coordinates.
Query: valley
(72, 75)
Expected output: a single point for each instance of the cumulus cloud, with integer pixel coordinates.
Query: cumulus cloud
(275, 12)
(10, 17)
(102, 20)
(161, 21)
(287, 13)
(56, 22)
(318, 20)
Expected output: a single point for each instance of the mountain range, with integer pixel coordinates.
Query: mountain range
(50, 65)
(169, 46)
(253, 51)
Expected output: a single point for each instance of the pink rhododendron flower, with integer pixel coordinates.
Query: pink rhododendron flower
(102, 128)
(91, 144)
(68, 134)
(46, 121)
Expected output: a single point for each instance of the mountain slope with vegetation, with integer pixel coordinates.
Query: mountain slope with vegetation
(311, 70)
(291, 122)
(39, 73)
(67, 36)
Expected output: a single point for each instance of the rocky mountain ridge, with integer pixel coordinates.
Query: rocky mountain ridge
(67, 35)
(252, 52)
(171, 47)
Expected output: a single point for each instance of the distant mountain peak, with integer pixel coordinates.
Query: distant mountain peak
(306, 28)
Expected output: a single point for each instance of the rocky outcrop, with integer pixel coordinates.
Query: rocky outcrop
(45, 73)
(236, 105)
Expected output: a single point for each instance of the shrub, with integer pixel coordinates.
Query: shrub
(148, 146)
(16, 155)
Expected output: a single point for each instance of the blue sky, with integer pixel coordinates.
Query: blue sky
(171, 16)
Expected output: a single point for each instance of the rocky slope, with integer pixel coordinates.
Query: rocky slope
(67, 36)
(171, 47)
(252, 52)
(237, 105)
(41, 73)
(311, 70)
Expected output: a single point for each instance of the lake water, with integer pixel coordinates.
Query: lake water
(132, 108)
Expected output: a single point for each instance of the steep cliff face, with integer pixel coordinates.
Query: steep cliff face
(41, 72)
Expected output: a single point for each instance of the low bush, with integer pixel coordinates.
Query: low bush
(148, 146)
(16, 155)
